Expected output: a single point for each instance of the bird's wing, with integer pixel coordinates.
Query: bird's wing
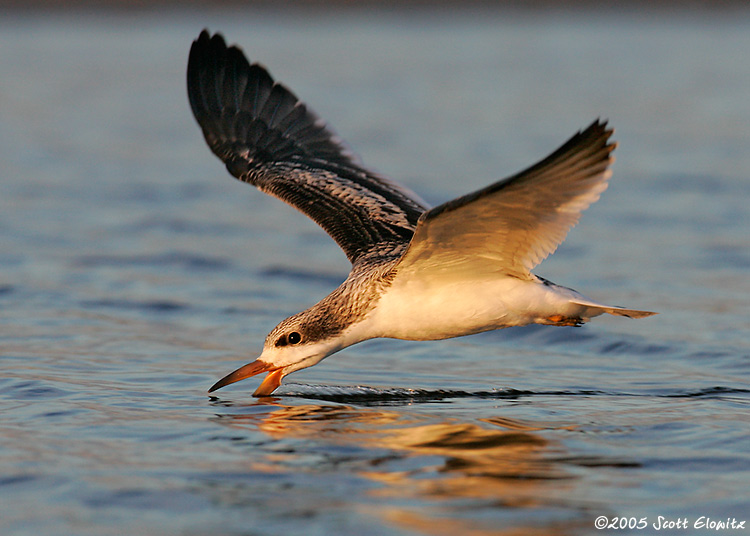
(270, 139)
(511, 226)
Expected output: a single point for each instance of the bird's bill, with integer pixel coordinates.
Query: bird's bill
(268, 386)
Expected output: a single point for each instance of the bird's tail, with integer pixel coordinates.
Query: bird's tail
(613, 310)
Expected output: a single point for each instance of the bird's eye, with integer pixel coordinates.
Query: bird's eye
(294, 337)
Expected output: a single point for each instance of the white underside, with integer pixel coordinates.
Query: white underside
(427, 310)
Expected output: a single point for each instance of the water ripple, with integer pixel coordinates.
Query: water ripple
(398, 396)
(156, 306)
(374, 396)
(33, 390)
(184, 260)
(710, 392)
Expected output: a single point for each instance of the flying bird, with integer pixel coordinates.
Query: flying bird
(418, 273)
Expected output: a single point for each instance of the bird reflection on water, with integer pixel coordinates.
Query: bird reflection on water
(408, 457)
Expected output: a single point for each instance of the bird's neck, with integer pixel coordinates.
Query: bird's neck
(344, 312)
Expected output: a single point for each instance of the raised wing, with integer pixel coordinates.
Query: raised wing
(512, 225)
(270, 139)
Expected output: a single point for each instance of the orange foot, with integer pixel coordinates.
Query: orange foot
(560, 320)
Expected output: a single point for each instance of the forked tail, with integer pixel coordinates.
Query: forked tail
(630, 313)
(613, 310)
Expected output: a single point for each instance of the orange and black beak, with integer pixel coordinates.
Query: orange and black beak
(268, 386)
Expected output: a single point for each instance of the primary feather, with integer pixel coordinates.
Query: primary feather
(270, 139)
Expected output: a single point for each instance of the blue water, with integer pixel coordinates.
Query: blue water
(134, 272)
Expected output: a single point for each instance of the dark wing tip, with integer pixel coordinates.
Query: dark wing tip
(589, 148)
(247, 117)
(596, 135)
(586, 147)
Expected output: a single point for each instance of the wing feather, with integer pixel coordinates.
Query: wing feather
(512, 225)
(270, 139)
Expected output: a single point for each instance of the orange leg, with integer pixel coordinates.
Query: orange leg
(560, 320)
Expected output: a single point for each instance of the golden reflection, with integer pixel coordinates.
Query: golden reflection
(493, 462)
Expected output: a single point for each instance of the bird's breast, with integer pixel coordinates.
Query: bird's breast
(419, 309)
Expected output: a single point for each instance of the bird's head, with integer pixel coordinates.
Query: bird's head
(298, 342)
